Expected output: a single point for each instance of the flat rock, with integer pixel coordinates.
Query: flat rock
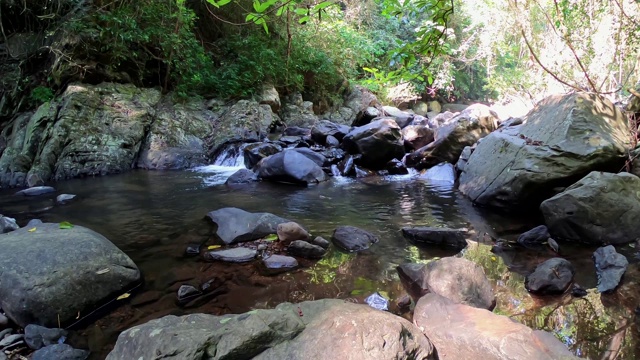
(351, 238)
(306, 250)
(455, 238)
(236, 225)
(38, 337)
(550, 277)
(60, 352)
(279, 263)
(610, 266)
(460, 331)
(235, 255)
(36, 190)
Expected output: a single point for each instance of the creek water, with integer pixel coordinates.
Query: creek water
(154, 216)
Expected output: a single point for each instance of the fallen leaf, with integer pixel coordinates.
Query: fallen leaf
(78, 317)
(32, 230)
(123, 296)
(272, 237)
(66, 225)
(213, 247)
(493, 258)
(103, 271)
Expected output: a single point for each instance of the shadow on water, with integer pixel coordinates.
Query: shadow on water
(154, 216)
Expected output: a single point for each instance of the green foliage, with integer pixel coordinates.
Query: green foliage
(41, 94)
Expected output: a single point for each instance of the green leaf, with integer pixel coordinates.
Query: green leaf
(301, 11)
(225, 320)
(322, 5)
(303, 19)
(271, 237)
(66, 225)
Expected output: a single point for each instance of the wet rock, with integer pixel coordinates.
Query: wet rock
(564, 138)
(11, 341)
(323, 329)
(58, 253)
(465, 129)
(290, 166)
(396, 167)
(36, 190)
(253, 153)
(7, 224)
(290, 231)
(443, 173)
(455, 238)
(187, 293)
(236, 225)
(362, 172)
(601, 208)
(417, 136)
(351, 238)
(459, 331)
(60, 352)
(242, 176)
(64, 198)
(192, 250)
(305, 250)
(279, 263)
(38, 337)
(332, 141)
(458, 279)
(377, 301)
(402, 118)
(535, 237)
(322, 242)
(235, 255)
(578, 291)
(316, 157)
(551, 277)
(610, 266)
(324, 128)
(378, 142)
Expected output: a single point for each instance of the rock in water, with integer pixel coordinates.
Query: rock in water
(601, 208)
(351, 238)
(312, 330)
(290, 231)
(443, 173)
(610, 266)
(534, 237)
(74, 258)
(455, 238)
(378, 142)
(236, 255)
(290, 166)
(551, 277)
(279, 263)
(236, 225)
(36, 190)
(242, 176)
(564, 138)
(64, 198)
(305, 250)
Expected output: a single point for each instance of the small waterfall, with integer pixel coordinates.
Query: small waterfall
(335, 171)
(231, 155)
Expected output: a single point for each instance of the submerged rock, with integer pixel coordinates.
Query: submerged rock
(610, 266)
(351, 238)
(36, 191)
(443, 173)
(601, 208)
(322, 242)
(551, 277)
(235, 255)
(75, 258)
(312, 330)
(458, 279)
(236, 225)
(459, 331)
(455, 238)
(306, 250)
(242, 176)
(279, 263)
(64, 198)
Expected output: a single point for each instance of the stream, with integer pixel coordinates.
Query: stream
(153, 216)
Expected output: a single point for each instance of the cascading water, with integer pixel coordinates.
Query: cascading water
(229, 160)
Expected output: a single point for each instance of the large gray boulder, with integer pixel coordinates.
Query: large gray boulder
(50, 275)
(562, 140)
(601, 208)
(255, 152)
(290, 166)
(322, 329)
(324, 128)
(236, 225)
(550, 277)
(378, 142)
(460, 331)
(458, 279)
(465, 129)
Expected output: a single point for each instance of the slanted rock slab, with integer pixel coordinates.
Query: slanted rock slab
(610, 266)
(236, 225)
(235, 255)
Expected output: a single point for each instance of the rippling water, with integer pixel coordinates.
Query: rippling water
(153, 216)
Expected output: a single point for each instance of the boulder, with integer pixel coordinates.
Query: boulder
(324, 128)
(464, 158)
(610, 266)
(242, 176)
(455, 238)
(77, 270)
(314, 156)
(601, 208)
(457, 279)
(305, 250)
(420, 108)
(459, 331)
(239, 122)
(296, 131)
(236, 225)
(378, 142)
(396, 167)
(417, 136)
(290, 166)
(465, 129)
(314, 330)
(332, 141)
(235, 255)
(551, 277)
(361, 101)
(443, 173)
(402, 118)
(534, 237)
(269, 96)
(7, 224)
(175, 139)
(290, 231)
(36, 191)
(38, 337)
(563, 139)
(299, 115)
(440, 119)
(60, 352)
(351, 238)
(322, 242)
(253, 153)
(435, 106)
